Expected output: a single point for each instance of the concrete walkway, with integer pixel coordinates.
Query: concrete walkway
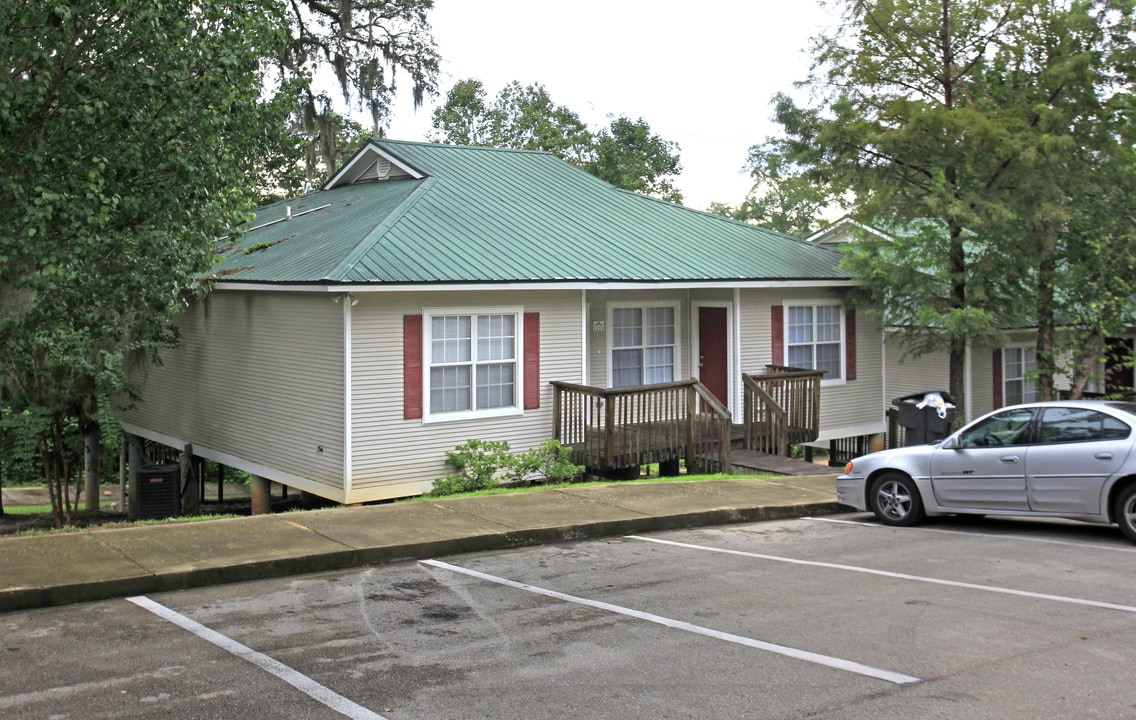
(60, 568)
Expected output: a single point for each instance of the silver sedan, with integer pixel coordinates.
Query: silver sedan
(1071, 459)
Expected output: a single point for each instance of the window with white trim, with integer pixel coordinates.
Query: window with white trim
(643, 345)
(1018, 365)
(814, 338)
(471, 363)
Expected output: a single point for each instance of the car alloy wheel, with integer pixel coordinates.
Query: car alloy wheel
(1125, 512)
(895, 500)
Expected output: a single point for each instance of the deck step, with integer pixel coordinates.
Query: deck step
(751, 461)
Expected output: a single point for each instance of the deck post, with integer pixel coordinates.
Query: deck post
(609, 432)
(691, 411)
(724, 445)
(557, 421)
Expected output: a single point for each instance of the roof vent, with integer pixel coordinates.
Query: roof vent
(379, 171)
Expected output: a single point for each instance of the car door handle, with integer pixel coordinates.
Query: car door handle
(1009, 459)
(1103, 456)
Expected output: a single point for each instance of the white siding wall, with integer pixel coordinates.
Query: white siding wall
(906, 376)
(256, 383)
(597, 340)
(396, 457)
(981, 386)
(910, 375)
(849, 408)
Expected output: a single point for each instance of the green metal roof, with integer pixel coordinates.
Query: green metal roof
(452, 214)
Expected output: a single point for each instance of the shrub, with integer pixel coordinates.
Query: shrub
(481, 464)
(551, 461)
(476, 466)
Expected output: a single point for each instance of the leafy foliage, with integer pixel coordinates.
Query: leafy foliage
(995, 122)
(484, 464)
(551, 461)
(364, 45)
(626, 154)
(126, 135)
(783, 197)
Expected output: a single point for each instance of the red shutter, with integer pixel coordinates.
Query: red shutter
(411, 366)
(850, 344)
(532, 360)
(998, 379)
(777, 321)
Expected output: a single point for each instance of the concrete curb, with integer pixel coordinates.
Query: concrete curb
(23, 598)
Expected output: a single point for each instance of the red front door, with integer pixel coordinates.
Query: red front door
(713, 355)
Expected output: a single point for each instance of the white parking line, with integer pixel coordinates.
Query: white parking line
(999, 536)
(826, 660)
(898, 576)
(301, 682)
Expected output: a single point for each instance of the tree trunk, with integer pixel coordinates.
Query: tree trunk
(91, 461)
(1046, 320)
(1091, 353)
(957, 372)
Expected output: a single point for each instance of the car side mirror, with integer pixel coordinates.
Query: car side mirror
(951, 443)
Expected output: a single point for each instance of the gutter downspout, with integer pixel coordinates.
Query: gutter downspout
(347, 404)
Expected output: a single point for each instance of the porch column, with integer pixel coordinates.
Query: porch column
(261, 495)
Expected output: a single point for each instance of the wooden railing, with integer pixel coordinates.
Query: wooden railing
(781, 409)
(616, 428)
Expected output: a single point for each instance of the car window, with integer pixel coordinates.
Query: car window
(1115, 429)
(1006, 428)
(1063, 425)
(1127, 407)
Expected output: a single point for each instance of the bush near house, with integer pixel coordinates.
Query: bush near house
(482, 464)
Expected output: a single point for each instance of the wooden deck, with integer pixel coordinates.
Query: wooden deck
(610, 430)
(614, 430)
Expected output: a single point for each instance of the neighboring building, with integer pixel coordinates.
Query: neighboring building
(994, 376)
(428, 294)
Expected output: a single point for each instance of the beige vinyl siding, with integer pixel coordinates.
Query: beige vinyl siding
(258, 377)
(981, 387)
(910, 375)
(848, 408)
(396, 457)
(598, 302)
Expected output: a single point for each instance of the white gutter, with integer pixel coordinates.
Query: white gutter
(543, 286)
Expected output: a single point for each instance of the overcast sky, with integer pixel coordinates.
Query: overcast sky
(700, 73)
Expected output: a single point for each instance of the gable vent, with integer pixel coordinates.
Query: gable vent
(379, 171)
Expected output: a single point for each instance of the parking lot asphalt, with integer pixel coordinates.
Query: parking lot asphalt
(80, 566)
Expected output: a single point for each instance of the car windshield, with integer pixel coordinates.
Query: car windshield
(1128, 407)
(1006, 428)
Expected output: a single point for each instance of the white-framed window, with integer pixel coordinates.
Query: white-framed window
(643, 347)
(814, 338)
(472, 366)
(1018, 365)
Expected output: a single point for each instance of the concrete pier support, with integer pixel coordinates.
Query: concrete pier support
(876, 442)
(261, 495)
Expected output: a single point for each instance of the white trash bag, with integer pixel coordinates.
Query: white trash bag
(936, 401)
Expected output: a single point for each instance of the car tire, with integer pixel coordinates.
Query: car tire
(895, 500)
(1124, 512)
